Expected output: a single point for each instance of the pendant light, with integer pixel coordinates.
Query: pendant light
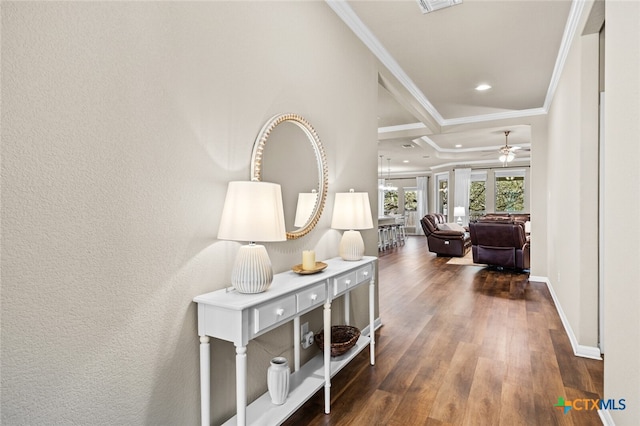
(388, 186)
(384, 185)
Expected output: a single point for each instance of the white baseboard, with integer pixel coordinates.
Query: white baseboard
(583, 351)
(606, 418)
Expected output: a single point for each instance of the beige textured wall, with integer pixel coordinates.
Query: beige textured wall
(121, 125)
(622, 206)
(572, 167)
(539, 197)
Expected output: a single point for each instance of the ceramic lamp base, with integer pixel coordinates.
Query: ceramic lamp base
(351, 245)
(252, 271)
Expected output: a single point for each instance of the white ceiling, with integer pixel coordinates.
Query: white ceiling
(431, 64)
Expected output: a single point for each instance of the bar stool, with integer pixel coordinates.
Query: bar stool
(383, 237)
(393, 235)
(402, 233)
(401, 230)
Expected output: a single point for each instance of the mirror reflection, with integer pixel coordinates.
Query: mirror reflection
(289, 152)
(304, 208)
(289, 160)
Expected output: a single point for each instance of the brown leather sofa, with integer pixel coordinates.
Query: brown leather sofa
(444, 242)
(500, 243)
(505, 217)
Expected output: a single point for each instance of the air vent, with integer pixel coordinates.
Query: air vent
(407, 145)
(427, 6)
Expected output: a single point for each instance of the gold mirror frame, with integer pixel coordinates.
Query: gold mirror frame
(321, 161)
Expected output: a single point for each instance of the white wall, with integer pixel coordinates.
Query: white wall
(539, 197)
(572, 156)
(622, 209)
(122, 124)
(572, 197)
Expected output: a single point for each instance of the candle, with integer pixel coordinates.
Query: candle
(308, 260)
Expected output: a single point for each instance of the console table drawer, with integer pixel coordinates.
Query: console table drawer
(343, 282)
(364, 274)
(267, 315)
(312, 297)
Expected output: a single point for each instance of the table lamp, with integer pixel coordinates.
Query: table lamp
(351, 211)
(252, 212)
(459, 211)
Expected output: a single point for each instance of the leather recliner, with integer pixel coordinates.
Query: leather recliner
(500, 243)
(444, 242)
(505, 217)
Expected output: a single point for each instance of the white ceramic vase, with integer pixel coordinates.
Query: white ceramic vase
(278, 380)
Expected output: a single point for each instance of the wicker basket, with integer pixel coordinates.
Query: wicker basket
(343, 338)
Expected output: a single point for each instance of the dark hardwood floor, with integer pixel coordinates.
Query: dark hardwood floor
(460, 345)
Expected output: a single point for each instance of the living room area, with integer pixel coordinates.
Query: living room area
(485, 198)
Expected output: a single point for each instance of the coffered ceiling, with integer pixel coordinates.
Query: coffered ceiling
(430, 113)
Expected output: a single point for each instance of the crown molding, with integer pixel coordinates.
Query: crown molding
(456, 150)
(344, 11)
(524, 160)
(402, 127)
(494, 116)
(575, 15)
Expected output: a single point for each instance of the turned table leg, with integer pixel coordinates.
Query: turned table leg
(205, 385)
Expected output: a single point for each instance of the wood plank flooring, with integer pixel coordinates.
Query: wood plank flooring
(459, 345)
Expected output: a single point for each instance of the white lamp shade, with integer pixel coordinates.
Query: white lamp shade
(252, 212)
(306, 204)
(458, 211)
(351, 210)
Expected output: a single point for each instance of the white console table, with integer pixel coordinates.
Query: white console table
(238, 318)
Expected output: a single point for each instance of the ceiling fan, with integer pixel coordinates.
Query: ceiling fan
(508, 153)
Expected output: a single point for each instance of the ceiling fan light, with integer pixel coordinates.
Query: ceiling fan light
(506, 158)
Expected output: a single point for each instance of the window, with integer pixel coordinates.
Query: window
(410, 207)
(477, 199)
(390, 202)
(477, 195)
(442, 198)
(510, 191)
(410, 199)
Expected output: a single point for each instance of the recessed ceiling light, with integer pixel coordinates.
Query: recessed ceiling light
(458, 146)
(405, 161)
(482, 87)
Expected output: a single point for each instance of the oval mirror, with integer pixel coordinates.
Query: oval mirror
(294, 158)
